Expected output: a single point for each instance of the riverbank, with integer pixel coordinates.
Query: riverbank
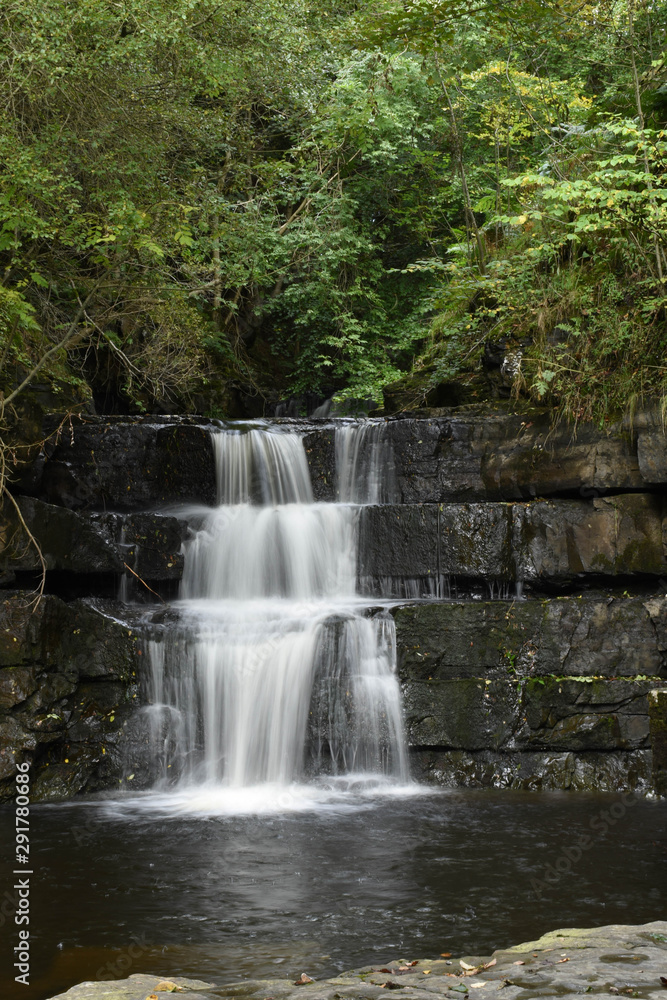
(616, 960)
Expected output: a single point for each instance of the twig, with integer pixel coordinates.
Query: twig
(39, 591)
(144, 582)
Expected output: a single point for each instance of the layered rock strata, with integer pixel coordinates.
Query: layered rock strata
(553, 691)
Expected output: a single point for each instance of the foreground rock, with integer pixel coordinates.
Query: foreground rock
(139, 987)
(618, 960)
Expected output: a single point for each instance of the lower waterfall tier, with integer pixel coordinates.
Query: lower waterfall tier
(548, 694)
(243, 693)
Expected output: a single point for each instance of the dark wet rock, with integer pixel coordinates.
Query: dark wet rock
(518, 693)
(657, 701)
(610, 536)
(568, 713)
(16, 684)
(547, 541)
(470, 713)
(87, 543)
(650, 428)
(592, 635)
(593, 771)
(319, 445)
(129, 464)
(150, 544)
(66, 541)
(69, 682)
(478, 454)
(475, 713)
(452, 455)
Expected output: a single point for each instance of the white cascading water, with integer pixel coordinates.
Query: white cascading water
(276, 672)
(365, 464)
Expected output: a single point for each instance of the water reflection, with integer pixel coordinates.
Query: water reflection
(226, 897)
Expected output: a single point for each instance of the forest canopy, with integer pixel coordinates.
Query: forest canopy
(203, 202)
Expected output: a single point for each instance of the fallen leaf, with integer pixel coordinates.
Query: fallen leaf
(166, 986)
(426, 972)
(472, 970)
(478, 986)
(518, 963)
(561, 960)
(445, 954)
(304, 979)
(385, 970)
(153, 996)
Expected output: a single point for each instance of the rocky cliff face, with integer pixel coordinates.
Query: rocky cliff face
(552, 690)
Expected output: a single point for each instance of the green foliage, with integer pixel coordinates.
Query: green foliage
(322, 198)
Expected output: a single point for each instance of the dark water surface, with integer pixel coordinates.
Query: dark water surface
(223, 898)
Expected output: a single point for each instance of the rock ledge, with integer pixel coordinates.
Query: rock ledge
(617, 960)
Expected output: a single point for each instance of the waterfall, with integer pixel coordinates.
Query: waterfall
(276, 671)
(364, 464)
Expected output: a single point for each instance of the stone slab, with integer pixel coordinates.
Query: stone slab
(139, 987)
(605, 961)
(479, 454)
(464, 454)
(589, 635)
(130, 464)
(85, 543)
(548, 542)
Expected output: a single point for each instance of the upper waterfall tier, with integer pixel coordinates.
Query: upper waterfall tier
(130, 463)
(365, 472)
(253, 466)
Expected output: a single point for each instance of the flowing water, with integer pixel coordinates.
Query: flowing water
(278, 673)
